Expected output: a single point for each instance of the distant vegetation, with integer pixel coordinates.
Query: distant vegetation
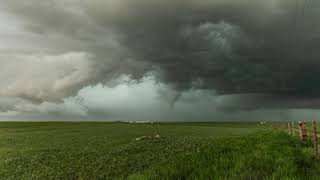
(152, 151)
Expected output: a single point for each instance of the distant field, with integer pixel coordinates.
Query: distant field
(132, 151)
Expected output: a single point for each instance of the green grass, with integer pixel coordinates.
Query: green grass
(184, 151)
(268, 155)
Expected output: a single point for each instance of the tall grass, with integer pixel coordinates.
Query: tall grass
(261, 156)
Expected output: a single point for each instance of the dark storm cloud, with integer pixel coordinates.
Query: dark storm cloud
(232, 47)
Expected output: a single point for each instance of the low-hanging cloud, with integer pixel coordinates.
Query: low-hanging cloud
(130, 101)
(44, 77)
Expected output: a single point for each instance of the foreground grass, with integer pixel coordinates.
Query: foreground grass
(184, 151)
(268, 155)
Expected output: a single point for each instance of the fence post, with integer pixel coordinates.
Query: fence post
(315, 137)
(303, 130)
(300, 130)
(289, 128)
(293, 130)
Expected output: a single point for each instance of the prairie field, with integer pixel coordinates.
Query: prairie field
(57, 150)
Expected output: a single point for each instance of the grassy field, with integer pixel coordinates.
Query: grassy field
(183, 151)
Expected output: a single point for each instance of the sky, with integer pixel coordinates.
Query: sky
(159, 60)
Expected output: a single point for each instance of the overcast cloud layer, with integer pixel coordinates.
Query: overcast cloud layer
(159, 60)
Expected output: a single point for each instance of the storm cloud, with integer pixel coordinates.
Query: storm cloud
(251, 54)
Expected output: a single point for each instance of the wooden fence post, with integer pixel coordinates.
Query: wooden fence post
(315, 137)
(300, 130)
(289, 128)
(293, 130)
(303, 130)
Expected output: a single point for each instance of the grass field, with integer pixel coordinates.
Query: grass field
(183, 151)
